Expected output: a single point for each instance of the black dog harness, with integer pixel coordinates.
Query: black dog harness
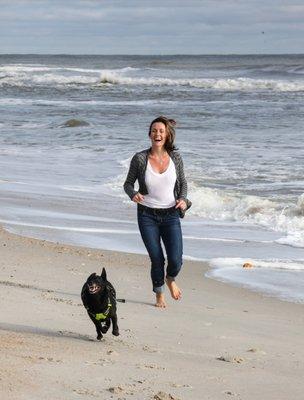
(102, 316)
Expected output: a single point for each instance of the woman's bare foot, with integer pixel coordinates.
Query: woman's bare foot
(174, 289)
(160, 300)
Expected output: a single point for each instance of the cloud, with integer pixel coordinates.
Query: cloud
(157, 26)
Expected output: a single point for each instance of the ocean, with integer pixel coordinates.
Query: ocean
(70, 125)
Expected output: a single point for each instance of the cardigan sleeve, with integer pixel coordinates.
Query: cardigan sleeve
(131, 178)
(183, 186)
(182, 179)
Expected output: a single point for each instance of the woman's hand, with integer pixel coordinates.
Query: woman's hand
(138, 198)
(180, 203)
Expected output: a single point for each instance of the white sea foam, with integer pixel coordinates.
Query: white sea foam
(70, 228)
(15, 69)
(219, 205)
(237, 263)
(191, 258)
(73, 103)
(295, 239)
(222, 205)
(213, 239)
(24, 68)
(80, 188)
(31, 76)
(242, 84)
(46, 79)
(282, 278)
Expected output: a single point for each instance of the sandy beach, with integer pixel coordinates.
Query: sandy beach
(218, 342)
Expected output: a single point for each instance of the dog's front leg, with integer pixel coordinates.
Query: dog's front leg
(115, 330)
(97, 326)
(98, 331)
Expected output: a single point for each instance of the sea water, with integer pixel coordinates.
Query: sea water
(239, 130)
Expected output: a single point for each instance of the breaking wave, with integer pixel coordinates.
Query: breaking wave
(237, 84)
(220, 205)
(36, 75)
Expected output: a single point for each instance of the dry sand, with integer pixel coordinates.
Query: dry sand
(218, 342)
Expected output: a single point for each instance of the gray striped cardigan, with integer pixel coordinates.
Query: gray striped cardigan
(137, 171)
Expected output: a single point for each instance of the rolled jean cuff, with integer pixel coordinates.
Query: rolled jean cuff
(170, 278)
(158, 289)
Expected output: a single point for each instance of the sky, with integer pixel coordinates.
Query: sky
(151, 26)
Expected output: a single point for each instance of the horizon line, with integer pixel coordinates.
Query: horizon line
(150, 55)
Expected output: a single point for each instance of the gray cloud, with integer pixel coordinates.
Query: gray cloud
(143, 27)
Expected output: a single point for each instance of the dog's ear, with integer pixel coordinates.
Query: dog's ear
(104, 274)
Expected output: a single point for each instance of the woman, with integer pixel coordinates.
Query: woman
(161, 199)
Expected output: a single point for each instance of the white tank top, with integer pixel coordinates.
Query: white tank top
(160, 187)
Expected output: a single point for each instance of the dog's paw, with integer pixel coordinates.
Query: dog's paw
(99, 337)
(115, 332)
(104, 329)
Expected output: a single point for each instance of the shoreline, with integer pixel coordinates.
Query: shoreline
(208, 271)
(220, 341)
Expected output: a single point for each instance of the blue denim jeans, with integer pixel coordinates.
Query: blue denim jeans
(164, 227)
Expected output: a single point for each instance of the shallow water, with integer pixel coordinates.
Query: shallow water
(240, 121)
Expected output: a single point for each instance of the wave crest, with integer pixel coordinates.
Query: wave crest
(237, 84)
(224, 206)
(31, 76)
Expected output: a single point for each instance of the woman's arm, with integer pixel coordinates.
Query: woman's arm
(131, 178)
(182, 202)
(183, 181)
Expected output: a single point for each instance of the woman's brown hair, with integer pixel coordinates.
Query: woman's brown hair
(169, 124)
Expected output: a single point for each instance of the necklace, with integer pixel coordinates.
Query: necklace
(160, 159)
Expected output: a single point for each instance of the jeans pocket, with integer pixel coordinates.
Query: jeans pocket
(141, 211)
(175, 213)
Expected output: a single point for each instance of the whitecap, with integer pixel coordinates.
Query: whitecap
(221, 205)
(31, 76)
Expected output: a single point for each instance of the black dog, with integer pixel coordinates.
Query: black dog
(99, 298)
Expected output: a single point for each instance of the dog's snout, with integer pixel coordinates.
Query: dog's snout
(93, 287)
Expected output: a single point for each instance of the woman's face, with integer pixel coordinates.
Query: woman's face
(158, 134)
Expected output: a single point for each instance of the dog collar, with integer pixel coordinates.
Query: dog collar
(102, 316)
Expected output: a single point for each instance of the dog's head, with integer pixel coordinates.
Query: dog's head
(97, 283)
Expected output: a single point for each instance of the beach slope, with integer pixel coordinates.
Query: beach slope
(218, 342)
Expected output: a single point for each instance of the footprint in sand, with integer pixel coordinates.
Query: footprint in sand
(231, 359)
(230, 393)
(164, 396)
(102, 362)
(116, 389)
(112, 353)
(35, 359)
(47, 296)
(180, 385)
(150, 349)
(128, 389)
(86, 392)
(256, 350)
(150, 366)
